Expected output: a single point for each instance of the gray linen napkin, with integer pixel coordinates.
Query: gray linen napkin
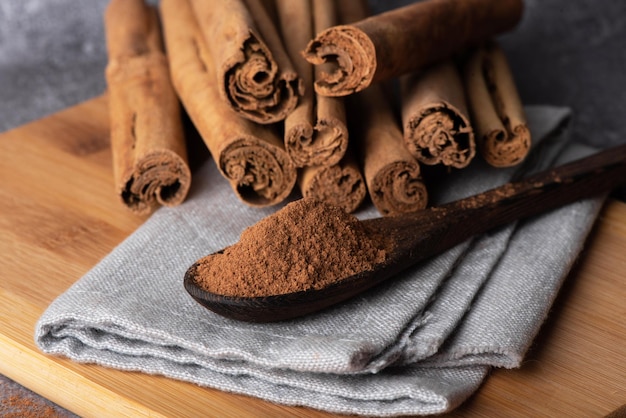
(420, 345)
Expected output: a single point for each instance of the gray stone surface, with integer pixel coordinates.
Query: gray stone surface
(52, 55)
(17, 401)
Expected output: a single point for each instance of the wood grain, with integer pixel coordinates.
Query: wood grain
(59, 216)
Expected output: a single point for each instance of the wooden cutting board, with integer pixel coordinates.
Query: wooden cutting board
(59, 216)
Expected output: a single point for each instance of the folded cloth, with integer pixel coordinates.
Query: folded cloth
(420, 344)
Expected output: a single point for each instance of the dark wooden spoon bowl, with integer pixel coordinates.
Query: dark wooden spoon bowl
(423, 234)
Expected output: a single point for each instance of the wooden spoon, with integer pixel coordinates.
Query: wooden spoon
(429, 232)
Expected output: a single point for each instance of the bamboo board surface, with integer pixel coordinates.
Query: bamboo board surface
(59, 216)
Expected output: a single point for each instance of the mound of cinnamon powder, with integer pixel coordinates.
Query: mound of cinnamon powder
(306, 245)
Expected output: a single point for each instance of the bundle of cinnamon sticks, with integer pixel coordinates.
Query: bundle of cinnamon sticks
(293, 94)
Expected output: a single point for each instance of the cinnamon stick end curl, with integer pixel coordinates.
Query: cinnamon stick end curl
(501, 149)
(440, 134)
(159, 178)
(398, 188)
(351, 56)
(341, 186)
(257, 88)
(260, 173)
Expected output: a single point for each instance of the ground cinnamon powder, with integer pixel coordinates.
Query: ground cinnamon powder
(16, 406)
(306, 245)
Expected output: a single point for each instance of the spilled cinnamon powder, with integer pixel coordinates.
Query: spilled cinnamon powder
(16, 406)
(306, 245)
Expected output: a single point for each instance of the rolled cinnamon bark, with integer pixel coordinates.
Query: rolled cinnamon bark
(405, 40)
(496, 109)
(340, 185)
(249, 155)
(392, 175)
(315, 132)
(435, 120)
(337, 178)
(255, 75)
(296, 25)
(147, 140)
(331, 131)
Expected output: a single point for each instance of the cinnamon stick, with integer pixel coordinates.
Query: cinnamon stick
(249, 155)
(336, 179)
(392, 174)
(435, 119)
(496, 109)
(405, 40)
(341, 185)
(296, 24)
(330, 127)
(147, 140)
(315, 132)
(255, 75)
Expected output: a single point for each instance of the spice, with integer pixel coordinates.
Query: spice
(340, 185)
(404, 40)
(19, 406)
(296, 27)
(315, 132)
(306, 245)
(496, 109)
(435, 118)
(254, 73)
(251, 156)
(392, 174)
(147, 138)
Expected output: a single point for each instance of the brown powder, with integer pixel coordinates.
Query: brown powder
(16, 406)
(306, 245)
(18, 402)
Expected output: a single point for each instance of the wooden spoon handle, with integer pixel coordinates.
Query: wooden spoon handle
(549, 189)
(435, 230)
